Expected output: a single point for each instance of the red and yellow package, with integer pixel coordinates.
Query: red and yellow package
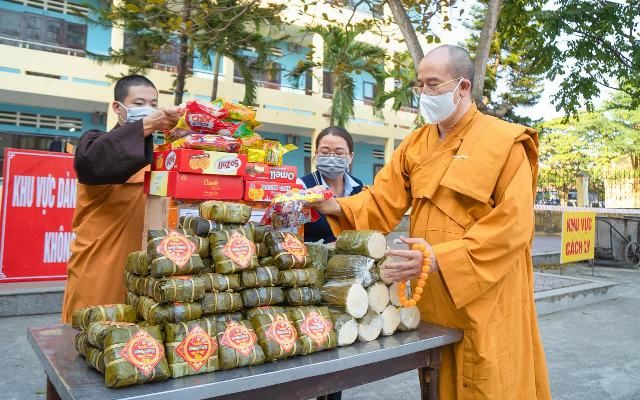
(198, 141)
(202, 117)
(294, 208)
(238, 112)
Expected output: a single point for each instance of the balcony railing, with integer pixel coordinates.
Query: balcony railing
(41, 46)
(412, 110)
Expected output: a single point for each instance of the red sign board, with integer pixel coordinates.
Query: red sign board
(38, 201)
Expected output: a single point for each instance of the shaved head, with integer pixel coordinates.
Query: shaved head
(458, 60)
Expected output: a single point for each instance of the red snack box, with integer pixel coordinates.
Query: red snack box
(284, 173)
(199, 162)
(266, 191)
(193, 186)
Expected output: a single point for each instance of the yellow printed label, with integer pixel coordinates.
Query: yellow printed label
(578, 236)
(197, 348)
(143, 352)
(316, 327)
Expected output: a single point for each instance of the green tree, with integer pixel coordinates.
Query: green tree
(563, 154)
(594, 44)
(258, 32)
(404, 76)
(590, 142)
(344, 56)
(181, 26)
(510, 60)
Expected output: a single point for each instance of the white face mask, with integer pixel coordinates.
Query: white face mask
(136, 113)
(435, 109)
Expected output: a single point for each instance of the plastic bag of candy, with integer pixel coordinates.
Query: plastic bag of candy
(198, 141)
(201, 117)
(294, 208)
(238, 112)
(219, 117)
(271, 152)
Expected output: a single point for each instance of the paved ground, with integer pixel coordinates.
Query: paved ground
(544, 282)
(543, 245)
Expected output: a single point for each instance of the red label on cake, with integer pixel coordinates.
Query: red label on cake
(239, 249)
(197, 348)
(177, 248)
(239, 338)
(294, 246)
(143, 352)
(316, 327)
(283, 333)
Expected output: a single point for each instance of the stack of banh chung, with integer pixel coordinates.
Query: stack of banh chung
(124, 352)
(362, 305)
(220, 292)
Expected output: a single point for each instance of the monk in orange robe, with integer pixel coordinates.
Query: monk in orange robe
(470, 181)
(109, 215)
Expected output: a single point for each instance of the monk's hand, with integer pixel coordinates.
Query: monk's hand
(163, 119)
(328, 207)
(410, 266)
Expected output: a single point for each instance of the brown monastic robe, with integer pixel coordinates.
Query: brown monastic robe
(109, 215)
(471, 197)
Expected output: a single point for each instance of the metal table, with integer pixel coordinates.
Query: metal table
(70, 377)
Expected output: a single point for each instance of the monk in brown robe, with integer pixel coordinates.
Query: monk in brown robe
(470, 181)
(109, 215)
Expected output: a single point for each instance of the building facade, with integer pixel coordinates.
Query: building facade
(51, 90)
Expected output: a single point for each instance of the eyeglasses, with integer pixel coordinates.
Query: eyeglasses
(338, 153)
(431, 90)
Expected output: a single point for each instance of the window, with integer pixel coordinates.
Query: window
(368, 91)
(269, 77)
(166, 58)
(76, 36)
(308, 83)
(376, 169)
(307, 165)
(42, 33)
(327, 85)
(33, 142)
(10, 24)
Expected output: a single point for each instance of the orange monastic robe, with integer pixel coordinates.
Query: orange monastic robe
(471, 198)
(109, 216)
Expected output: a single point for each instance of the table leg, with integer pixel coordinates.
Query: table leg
(52, 393)
(430, 375)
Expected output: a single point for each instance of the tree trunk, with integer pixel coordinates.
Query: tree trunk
(183, 60)
(484, 47)
(407, 30)
(216, 74)
(332, 119)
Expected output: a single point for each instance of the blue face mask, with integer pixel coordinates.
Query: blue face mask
(137, 113)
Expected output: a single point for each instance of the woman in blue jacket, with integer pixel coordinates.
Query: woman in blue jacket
(334, 155)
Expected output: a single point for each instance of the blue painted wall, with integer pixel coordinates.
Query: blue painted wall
(288, 61)
(86, 121)
(199, 66)
(98, 37)
(363, 161)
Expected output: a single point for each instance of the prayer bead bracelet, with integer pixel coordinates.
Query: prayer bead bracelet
(402, 287)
